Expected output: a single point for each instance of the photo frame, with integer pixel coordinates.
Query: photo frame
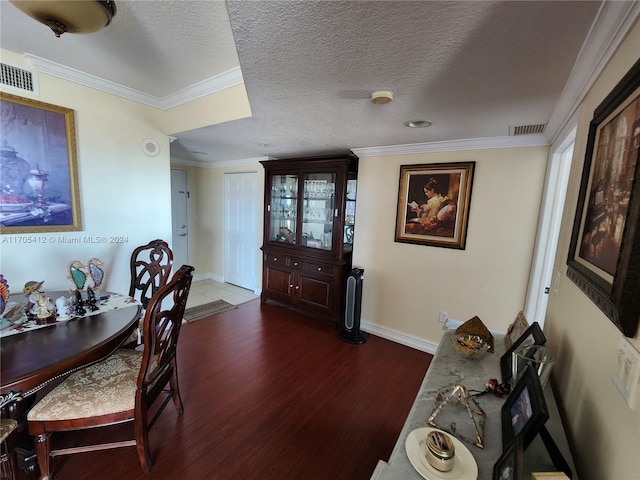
(510, 465)
(433, 204)
(532, 335)
(39, 178)
(524, 412)
(516, 329)
(604, 253)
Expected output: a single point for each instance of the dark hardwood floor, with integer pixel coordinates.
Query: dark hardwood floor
(270, 394)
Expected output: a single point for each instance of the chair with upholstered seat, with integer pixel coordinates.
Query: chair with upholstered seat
(7, 457)
(121, 388)
(150, 269)
(150, 266)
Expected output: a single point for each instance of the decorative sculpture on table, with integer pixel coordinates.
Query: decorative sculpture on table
(90, 276)
(77, 275)
(39, 306)
(78, 305)
(96, 273)
(455, 408)
(4, 293)
(91, 303)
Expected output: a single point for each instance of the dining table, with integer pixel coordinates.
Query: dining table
(32, 359)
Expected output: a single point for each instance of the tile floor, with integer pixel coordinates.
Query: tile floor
(206, 291)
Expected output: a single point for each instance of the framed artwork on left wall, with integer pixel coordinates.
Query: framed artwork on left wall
(39, 189)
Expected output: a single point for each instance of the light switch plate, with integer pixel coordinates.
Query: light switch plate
(627, 376)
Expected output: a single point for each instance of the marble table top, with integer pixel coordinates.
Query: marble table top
(448, 368)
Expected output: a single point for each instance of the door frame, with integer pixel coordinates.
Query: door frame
(548, 232)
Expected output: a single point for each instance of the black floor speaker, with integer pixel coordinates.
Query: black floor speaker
(351, 329)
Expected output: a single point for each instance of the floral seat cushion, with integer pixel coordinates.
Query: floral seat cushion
(7, 425)
(104, 388)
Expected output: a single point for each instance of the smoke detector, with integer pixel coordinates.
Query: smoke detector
(381, 97)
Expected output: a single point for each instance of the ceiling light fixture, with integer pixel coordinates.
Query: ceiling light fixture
(85, 16)
(418, 123)
(381, 97)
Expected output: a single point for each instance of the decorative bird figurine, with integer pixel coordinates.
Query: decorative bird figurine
(77, 275)
(95, 272)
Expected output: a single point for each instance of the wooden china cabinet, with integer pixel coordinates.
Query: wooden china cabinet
(309, 217)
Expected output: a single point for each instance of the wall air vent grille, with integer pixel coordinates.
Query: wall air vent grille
(527, 129)
(17, 78)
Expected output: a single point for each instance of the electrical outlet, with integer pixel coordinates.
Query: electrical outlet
(443, 316)
(627, 375)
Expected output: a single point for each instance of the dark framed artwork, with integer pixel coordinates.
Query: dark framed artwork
(510, 465)
(531, 336)
(39, 172)
(524, 412)
(433, 204)
(604, 253)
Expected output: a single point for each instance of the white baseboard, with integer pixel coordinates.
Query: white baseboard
(389, 334)
(399, 337)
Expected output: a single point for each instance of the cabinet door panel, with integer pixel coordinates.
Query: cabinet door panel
(278, 283)
(315, 292)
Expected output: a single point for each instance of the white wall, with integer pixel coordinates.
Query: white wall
(123, 192)
(406, 285)
(603, 429)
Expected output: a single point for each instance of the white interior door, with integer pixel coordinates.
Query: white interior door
(240, 229)
(556, 181)
(179, 218)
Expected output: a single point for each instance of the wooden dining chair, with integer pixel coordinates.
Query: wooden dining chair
(121, 388)
(150, 266)
(8, 467)
(150, 269)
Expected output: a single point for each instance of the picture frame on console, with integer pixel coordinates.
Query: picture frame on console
(40, 189)
(433, 204)
(533, 336)
(510, 465)
(524, 412)
(604, 253)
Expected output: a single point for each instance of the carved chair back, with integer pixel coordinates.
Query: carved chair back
(150, 269)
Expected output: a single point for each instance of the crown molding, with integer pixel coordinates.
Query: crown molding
(220, 82)
(535, 140)
(198, 90)
(612, 23)
(218, 163)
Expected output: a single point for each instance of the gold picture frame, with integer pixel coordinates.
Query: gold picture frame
(433, 204)
(39, 176)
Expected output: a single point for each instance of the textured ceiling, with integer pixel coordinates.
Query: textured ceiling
(153, 46)
(474, 68)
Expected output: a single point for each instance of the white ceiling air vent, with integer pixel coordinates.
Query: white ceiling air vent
(515, 130)
(18, 79)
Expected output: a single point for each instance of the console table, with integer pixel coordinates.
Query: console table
(447, 368)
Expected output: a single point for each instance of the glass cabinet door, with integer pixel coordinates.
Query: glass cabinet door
(284, 211)
(318, 209)
(350, 213)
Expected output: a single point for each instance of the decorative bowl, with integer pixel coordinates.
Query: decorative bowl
(470, 346)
